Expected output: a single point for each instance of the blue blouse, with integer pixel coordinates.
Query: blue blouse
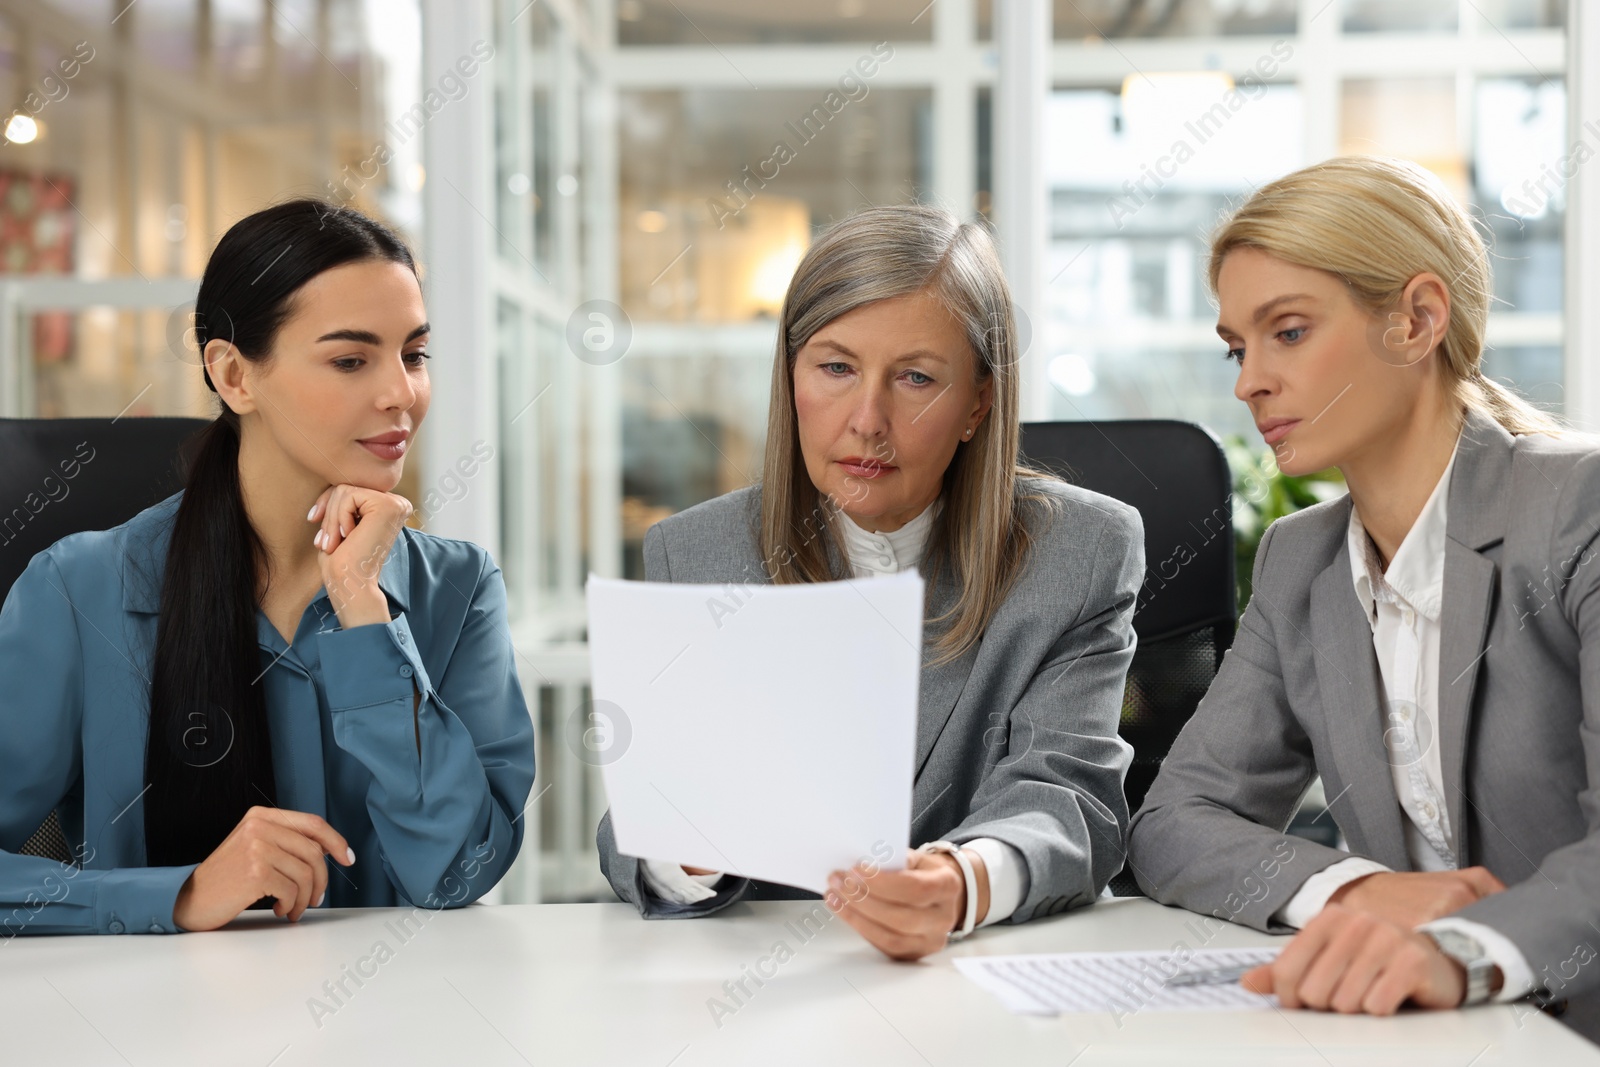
(435, 829)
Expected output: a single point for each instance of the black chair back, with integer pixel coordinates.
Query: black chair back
(1176, 475)
(63, 476)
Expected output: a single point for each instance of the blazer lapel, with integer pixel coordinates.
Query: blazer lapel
(1349, 682)
(941, 686)
(1475, 521)
(1469, 588)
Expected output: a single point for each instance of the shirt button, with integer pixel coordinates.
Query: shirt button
(885, 560)
(405, 672)
(116, 926)
(1430, 811)
(156, 928)
(402, 636)
(1409, 615)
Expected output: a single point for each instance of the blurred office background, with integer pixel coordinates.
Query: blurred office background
(607, 223)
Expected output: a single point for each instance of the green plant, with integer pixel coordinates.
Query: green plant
(1262, 494)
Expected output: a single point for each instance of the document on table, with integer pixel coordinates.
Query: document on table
(766, 731)
(1119, 982)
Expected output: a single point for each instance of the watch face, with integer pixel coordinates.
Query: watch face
(1466, 951)
(1457, 944)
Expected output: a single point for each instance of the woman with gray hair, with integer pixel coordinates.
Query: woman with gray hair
(892, 442)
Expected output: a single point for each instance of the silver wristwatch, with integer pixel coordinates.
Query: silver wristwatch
(1465, 950)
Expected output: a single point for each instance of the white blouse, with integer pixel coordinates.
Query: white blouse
(1403, 609)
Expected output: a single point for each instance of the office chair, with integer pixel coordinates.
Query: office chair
(62, 476)
(1176, 475)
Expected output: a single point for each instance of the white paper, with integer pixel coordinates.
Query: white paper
(1122, 983)
(766, 731)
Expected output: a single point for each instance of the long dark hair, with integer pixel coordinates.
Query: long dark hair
(208, 758)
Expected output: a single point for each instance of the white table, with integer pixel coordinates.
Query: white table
(595, 984)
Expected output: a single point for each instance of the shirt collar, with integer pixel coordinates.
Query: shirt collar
(1416, 573)
(904, 545)
(147, 535)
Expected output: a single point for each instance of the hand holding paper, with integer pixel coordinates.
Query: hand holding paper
(770, 730)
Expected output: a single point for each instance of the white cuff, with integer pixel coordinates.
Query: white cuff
(1313, 895)
(1514, 969)
(671, 882)
(1006, 869)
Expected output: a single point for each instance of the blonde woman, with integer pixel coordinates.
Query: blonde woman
(1429, 644)
(892, 443)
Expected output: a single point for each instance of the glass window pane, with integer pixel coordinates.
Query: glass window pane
(133, 187)
(739, 22)
(1076, 20)
(105, 362)
(1136, 183)
(983, 195)
(164, 33)
(1414, 16)
(544, 178)
(520, 414)
(693, 427)
(236, 37)
(529, 192)
(90, 12)
(721, 191)
(1414, 118)
(295, 33)
(1107, 380)
(1520, 166)
(1522, 14)
(558, 437)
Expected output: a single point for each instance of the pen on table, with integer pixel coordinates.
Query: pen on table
(1211, 976)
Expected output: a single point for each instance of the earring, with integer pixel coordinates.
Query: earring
(969, 432)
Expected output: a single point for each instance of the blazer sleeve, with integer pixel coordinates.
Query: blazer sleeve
(626, 873)
(1056, 795)
(449, 781)
(1553, 915)
(41, 758)
(1209, 836)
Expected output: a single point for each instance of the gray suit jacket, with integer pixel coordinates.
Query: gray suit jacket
(1016, 739)
(1299, 694)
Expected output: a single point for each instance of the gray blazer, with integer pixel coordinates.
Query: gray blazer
(1299, 694)
(1017, 739)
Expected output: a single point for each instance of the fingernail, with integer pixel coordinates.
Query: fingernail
(312, 513)
(320, 897)
(350, 855)
(341, 531)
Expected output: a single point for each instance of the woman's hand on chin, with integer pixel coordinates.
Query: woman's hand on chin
(356, 528)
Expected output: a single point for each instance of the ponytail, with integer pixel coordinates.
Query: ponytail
(209, 757)
(1483, 394)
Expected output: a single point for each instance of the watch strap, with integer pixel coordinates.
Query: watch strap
(969, 920)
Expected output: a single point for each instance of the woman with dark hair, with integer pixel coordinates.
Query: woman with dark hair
(229, 687)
